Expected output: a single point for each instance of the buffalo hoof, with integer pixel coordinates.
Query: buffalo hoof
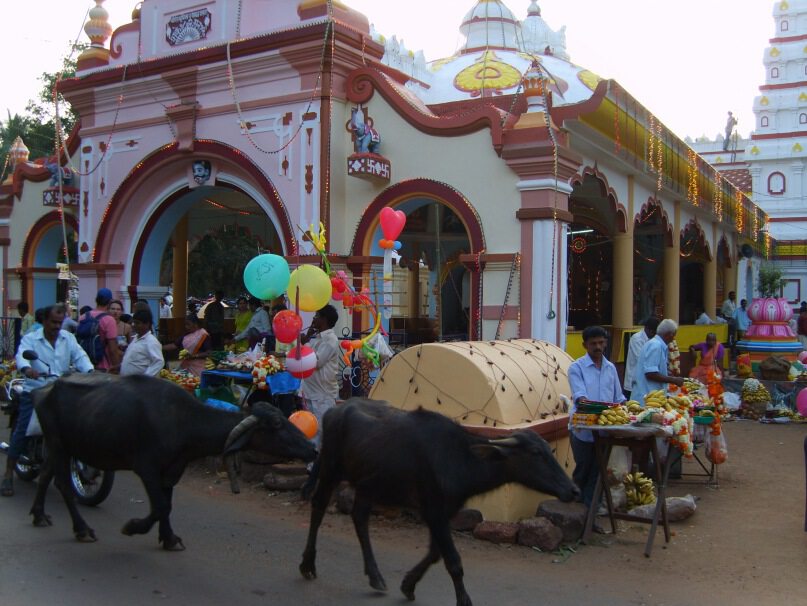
(408, 589)
(378, 584)
(86, 536)
(308, 572)
(42, 520)
(135, 526)
(173, 543)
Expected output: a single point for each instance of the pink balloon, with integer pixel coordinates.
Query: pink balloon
(392, 222)
(801, 402)
(803, 357)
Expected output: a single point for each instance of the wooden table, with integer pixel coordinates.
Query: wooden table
(605, 438)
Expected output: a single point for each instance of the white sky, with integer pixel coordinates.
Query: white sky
(688, 61)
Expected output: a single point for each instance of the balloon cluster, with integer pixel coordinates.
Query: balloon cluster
(310, 288)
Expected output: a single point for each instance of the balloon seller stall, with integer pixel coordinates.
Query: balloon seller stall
(233, 379)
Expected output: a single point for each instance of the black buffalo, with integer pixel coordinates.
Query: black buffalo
(419, 459)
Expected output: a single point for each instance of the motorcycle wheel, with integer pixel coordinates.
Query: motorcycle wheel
(91, 486)
(25, 472)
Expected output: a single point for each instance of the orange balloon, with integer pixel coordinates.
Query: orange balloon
(305, 422)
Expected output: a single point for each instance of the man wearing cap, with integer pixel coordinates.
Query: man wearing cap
(107, 330)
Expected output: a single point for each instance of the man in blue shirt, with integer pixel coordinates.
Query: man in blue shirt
(591, 377)
(652, 372)
(58, 352)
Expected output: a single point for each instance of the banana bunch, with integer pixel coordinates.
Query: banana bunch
(706, 413)
(693, 385)
(656, 399)
(680, 404)
(617, 415)
(634, 407)
(639, 489)
(761, 395)
(210, 364)
(183, 353)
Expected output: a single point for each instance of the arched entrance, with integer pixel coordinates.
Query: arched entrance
(436, 297)
(43, 249)
(694, 256)
(209, 196)
(651, 236)
(590, 246)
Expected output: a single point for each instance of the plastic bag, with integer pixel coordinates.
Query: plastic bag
(731, 400)
(716, 450)
(33, 428)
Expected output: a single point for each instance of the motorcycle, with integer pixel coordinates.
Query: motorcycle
(91, 486)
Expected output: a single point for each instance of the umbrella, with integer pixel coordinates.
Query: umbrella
(200, 313)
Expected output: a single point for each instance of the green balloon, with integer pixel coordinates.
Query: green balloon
(267, 276)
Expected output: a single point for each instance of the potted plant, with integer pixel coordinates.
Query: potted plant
(771, 281)
(770, 307)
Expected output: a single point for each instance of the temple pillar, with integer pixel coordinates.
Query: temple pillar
(710, 302)
(672, 269)
(622, 301)
(545, 165)
(180, 268)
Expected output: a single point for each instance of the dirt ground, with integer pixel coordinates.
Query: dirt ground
(746, 543)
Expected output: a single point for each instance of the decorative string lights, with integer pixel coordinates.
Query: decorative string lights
(718, 196)
(740, 211)
(692, 177)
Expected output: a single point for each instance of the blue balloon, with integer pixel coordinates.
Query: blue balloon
(397, 245)
(267, 276)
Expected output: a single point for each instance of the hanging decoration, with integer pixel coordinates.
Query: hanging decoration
(392, 224)
(339, 289)
(579, 245)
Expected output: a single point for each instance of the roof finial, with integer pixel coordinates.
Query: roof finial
(98, 31)
(534, 10)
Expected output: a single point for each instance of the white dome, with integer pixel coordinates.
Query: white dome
(537, 36)
(490, 24)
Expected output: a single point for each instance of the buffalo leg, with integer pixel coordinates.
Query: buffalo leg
(413, 577)
(441, 534)
(43, 482)
(61, 471)
(319, 503)
(169, 540)
(361, 516)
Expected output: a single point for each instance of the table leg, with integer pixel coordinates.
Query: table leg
(661, 502)
(601, 452)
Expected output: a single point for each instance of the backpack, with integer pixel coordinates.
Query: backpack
(87, 335)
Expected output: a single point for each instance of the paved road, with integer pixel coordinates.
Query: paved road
(236, 553)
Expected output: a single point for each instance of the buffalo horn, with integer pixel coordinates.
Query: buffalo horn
(504, 442)
(239, 430)
(229, 462)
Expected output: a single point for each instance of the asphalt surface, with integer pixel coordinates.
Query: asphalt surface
(237, 553)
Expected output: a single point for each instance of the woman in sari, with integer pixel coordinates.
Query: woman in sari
(710, 366)
(242, 317)
(196, 342)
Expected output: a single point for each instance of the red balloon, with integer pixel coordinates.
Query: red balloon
(287, 326)
(301, 362)
(392, 222)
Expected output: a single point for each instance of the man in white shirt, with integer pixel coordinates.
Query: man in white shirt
(57, 352)
(144, 355)
(635, 345)
(321, 389)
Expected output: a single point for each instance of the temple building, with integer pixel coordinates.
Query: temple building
(769, 166)
(540, 197)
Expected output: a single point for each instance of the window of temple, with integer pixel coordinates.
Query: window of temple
(785, 26)
(802, 118)
(774, 72)
(776, 184)
(763, 121)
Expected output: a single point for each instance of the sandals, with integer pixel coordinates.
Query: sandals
(7, 488)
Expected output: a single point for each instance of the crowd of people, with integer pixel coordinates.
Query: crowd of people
(105, 339)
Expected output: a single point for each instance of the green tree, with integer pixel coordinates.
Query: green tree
(37, 126)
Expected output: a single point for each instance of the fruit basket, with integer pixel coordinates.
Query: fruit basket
(703, 420)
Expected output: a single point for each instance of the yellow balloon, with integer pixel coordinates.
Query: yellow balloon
(314, 287)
